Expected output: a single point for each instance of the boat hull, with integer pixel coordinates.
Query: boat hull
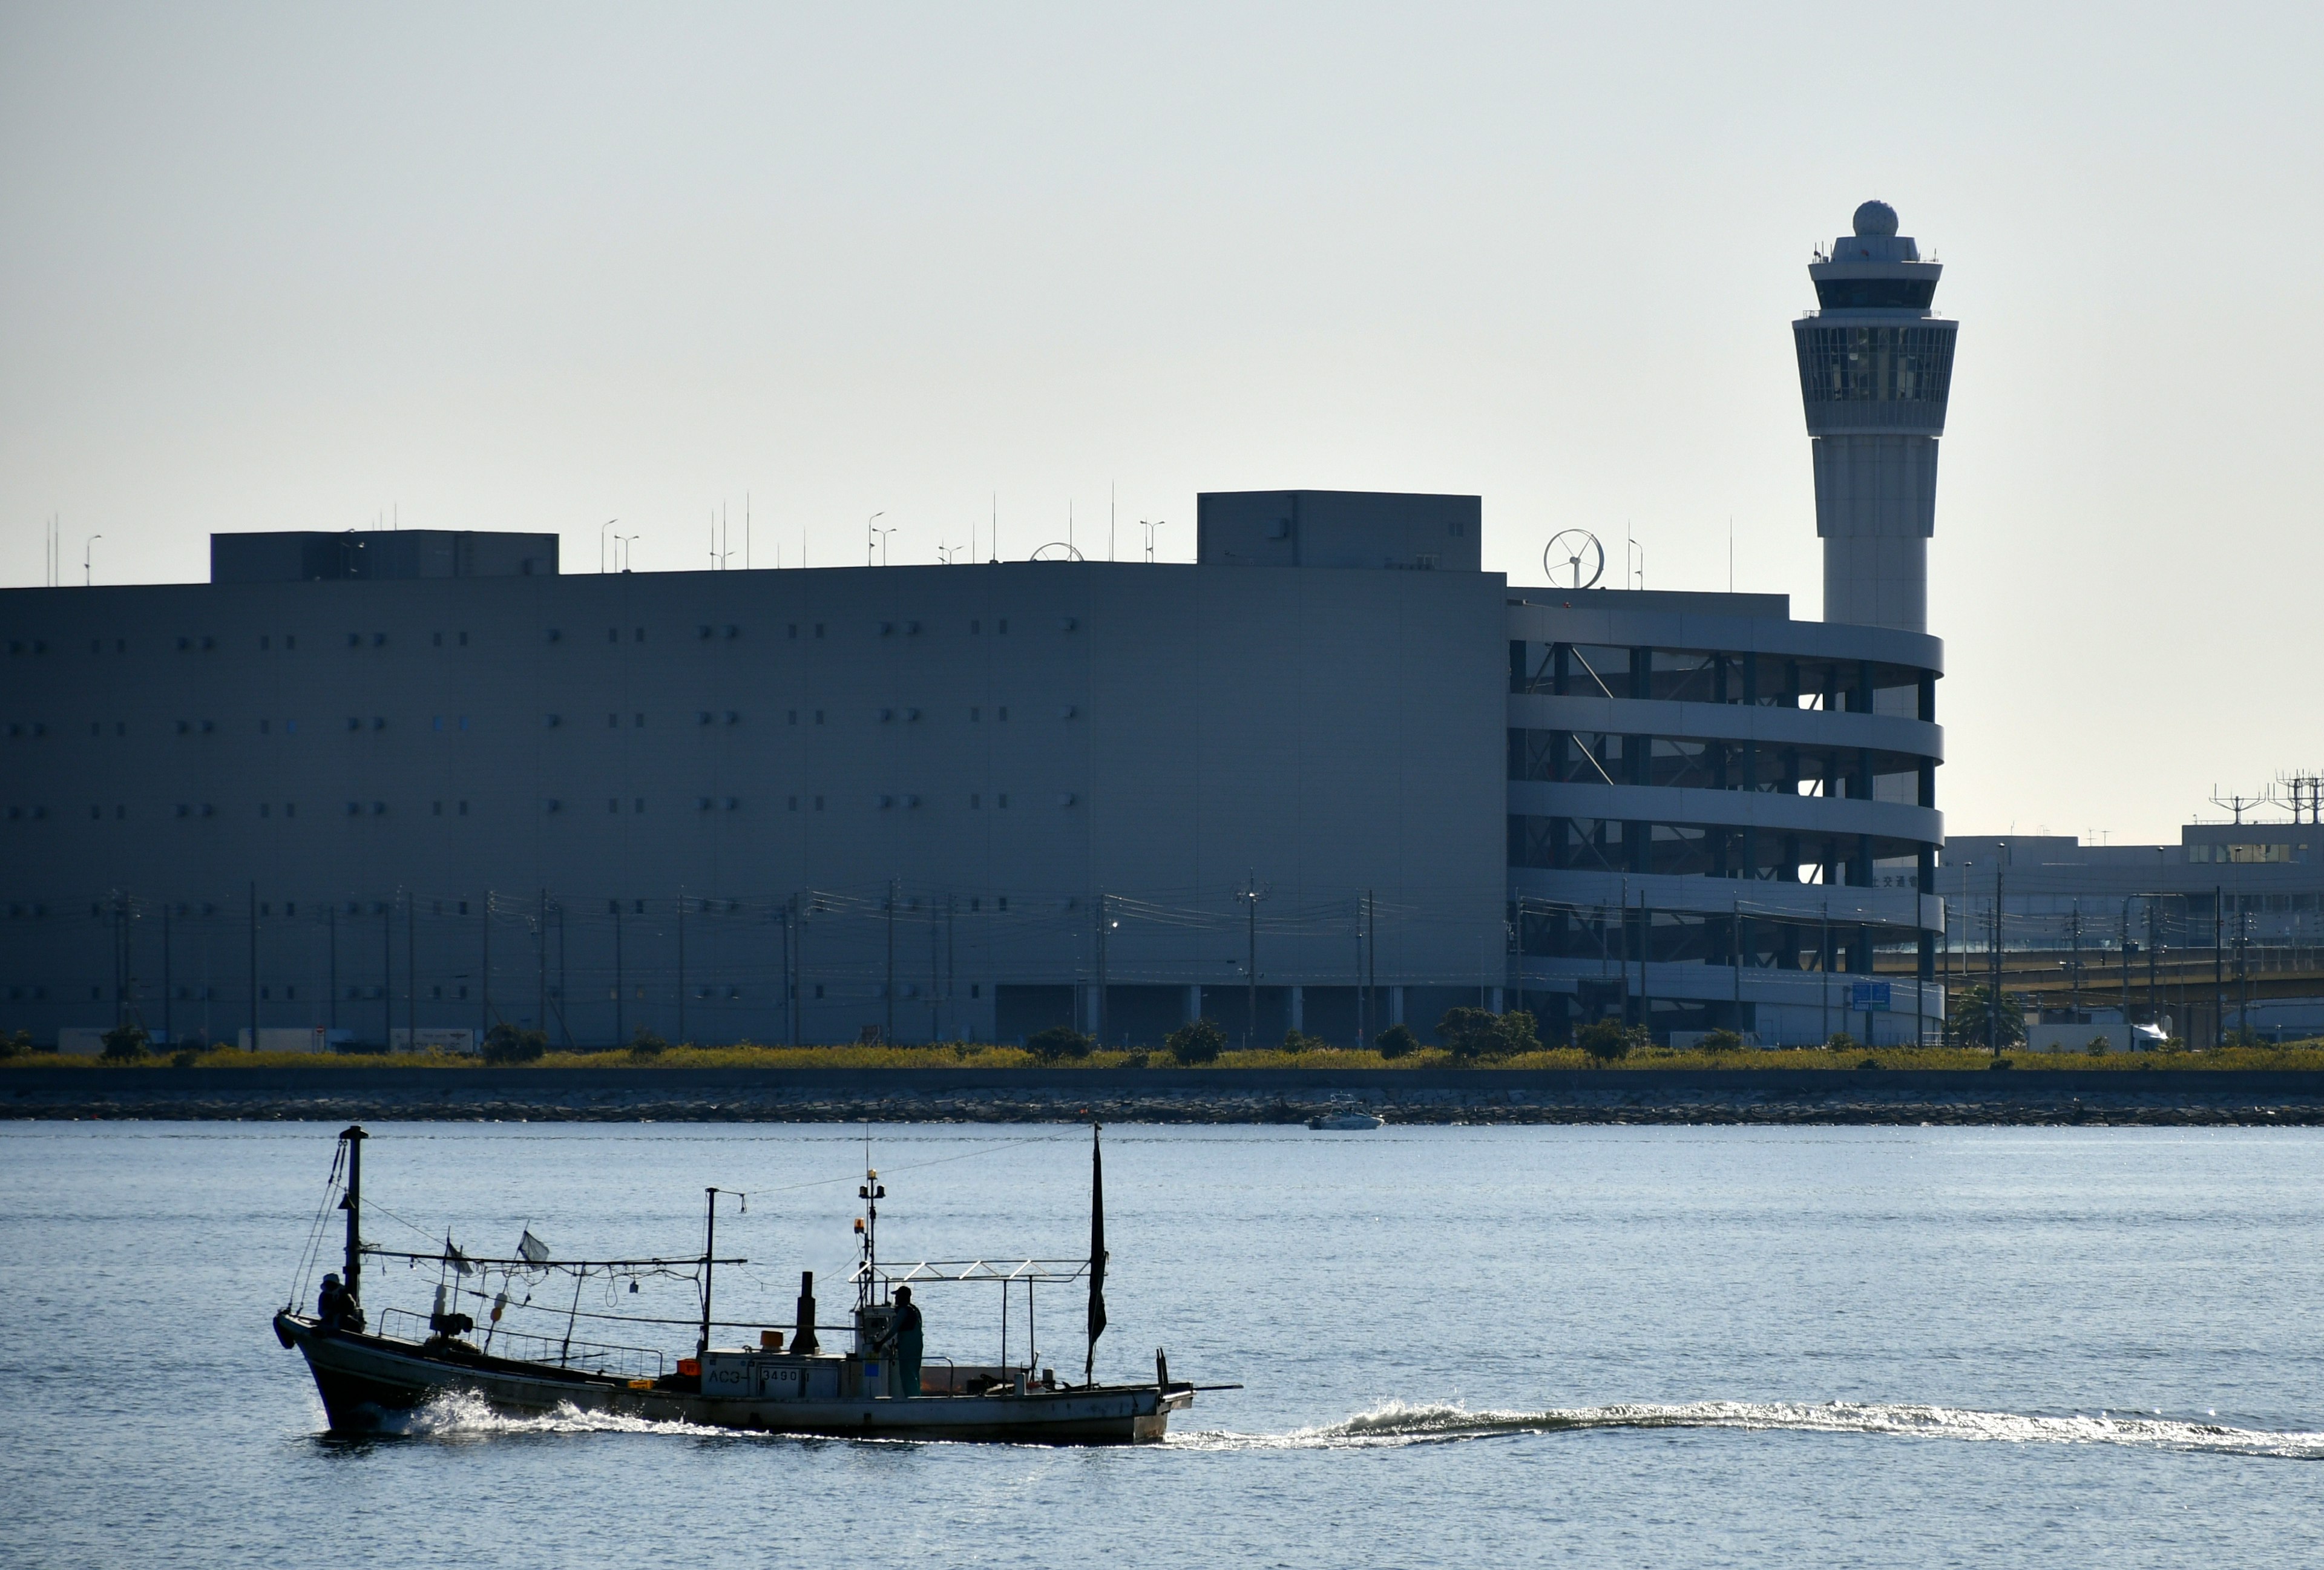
(365, 1379)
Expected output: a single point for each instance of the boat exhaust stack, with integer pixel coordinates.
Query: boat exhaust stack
(803, 1341)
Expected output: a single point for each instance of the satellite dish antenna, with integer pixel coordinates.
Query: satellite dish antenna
(1573, 559)
(1057, 550)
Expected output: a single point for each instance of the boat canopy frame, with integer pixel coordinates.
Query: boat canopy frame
(985, 1270)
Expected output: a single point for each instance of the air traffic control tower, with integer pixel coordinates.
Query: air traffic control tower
(1876, 363)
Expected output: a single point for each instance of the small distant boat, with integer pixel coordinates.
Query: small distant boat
(1347, 1119)
(365, 1373)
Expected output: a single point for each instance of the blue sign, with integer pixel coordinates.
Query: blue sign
(1871, 995)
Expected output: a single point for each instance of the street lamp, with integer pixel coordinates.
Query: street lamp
(86, 574)
(608, 523)
(872, 541)
(622, 554)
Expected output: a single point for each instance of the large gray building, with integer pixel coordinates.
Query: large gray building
(1330, 776)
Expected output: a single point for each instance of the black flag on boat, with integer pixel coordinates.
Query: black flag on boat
(1096, 1253)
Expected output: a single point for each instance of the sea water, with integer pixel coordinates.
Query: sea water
(1462, 1346)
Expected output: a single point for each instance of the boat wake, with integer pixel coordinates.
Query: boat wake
(1398, 1424)
(465, 1415)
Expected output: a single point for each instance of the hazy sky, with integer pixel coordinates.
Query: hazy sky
(502, 267)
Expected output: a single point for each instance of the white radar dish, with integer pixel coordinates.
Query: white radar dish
(1573, 559)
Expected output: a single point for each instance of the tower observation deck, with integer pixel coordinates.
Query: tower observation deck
(1876, 364)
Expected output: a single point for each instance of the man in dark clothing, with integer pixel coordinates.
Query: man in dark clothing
(904, 1336)
(337, 1306)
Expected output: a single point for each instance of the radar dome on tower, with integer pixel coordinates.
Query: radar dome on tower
(1875, 219)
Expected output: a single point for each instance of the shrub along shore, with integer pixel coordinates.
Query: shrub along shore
(2294, 1057)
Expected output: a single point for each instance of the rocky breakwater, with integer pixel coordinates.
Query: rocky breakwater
(2104, 1098)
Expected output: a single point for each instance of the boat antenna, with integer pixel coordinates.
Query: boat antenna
(870, 1193)
(1096, 1255)
(352, 1137)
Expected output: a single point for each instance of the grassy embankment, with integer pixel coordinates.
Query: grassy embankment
(2303, 1055)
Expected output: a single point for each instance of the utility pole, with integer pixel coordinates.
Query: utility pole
(1735, 936)
(2074, 964)
(254, 965)
(2153, 1009)
(1823, 968)
(1645, 946)
(540, 940)
(563, 991)
(1993, 968)
(1250, 894)
(2127, 1040)
(2218, 969)
(1105, 927)
(783, 919)
(2243, 968)
(1516, 953)
(1372, 968)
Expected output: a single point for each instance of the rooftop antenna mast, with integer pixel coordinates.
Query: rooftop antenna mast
(2307, 787)
(2240, 805)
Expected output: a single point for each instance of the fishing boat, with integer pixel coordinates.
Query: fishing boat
(787, 1383)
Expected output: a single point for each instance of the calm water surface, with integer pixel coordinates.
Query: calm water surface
(1462, 1346)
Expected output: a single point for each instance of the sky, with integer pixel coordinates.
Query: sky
(498, 266)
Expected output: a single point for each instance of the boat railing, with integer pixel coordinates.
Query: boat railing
(596, 1357)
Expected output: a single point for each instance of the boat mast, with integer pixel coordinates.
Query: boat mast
(353, 1136)
(709, 1239)
(870, 1193)
(1096, 1257)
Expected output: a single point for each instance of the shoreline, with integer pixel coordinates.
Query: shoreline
(1750, 1096)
